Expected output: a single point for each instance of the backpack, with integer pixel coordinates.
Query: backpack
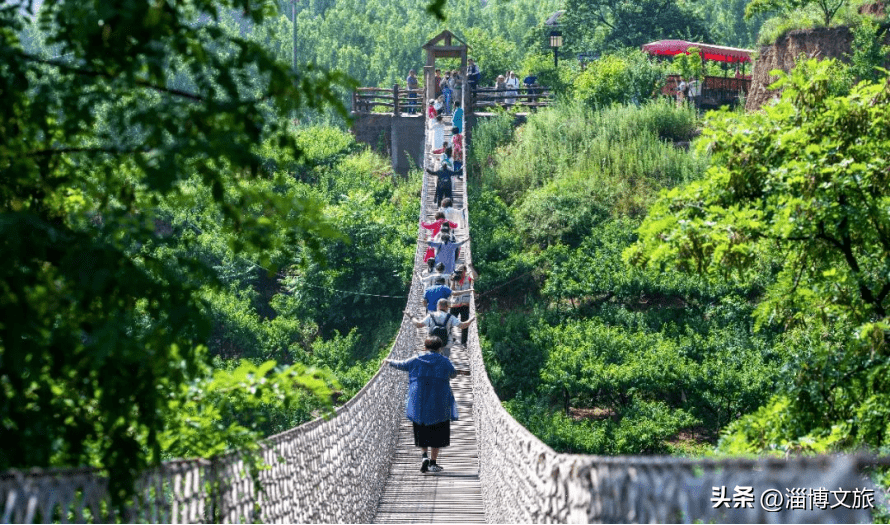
(440, 330)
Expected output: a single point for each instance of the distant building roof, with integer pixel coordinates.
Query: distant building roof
(708, 51)
(554, 18)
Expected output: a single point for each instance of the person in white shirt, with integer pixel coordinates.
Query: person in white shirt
(452, 214)
(431, 277)
(512, 86)
(437, 137)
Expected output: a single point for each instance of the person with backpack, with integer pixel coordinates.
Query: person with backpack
(443, 182)
(439, 322)
(430, 403)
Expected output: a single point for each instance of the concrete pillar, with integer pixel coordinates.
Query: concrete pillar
(394, 148)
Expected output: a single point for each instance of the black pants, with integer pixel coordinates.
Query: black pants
(443, 190)
(464, 313)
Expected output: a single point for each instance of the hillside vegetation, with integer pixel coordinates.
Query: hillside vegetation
(640, 297)
(596, 356)
(190, 266)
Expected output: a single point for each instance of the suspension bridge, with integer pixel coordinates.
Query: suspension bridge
(360, 466)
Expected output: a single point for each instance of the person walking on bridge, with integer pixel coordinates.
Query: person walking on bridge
(430, 404)
(443, 182)
(447, 251)
(461, 289)
(458, 118)
(439, 323)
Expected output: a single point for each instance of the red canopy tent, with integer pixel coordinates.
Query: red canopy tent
(707, 51)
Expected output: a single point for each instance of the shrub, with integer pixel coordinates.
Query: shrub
(630, 77)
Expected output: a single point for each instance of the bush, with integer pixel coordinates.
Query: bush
(630, 77)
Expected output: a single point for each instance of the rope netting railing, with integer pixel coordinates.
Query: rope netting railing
(326, 470)
(526, 481)
(333, 470)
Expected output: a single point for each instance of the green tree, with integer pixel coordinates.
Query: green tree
(622, 78)
(98, 336)
(869, 53)
(690, 64)
(828, 8)
(603, 25)
(804, 180)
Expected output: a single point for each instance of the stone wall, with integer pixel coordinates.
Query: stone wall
(400, 138)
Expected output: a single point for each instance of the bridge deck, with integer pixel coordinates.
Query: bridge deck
(455, 494)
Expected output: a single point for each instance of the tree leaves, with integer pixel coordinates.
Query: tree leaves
(806, 181)
(116, 109)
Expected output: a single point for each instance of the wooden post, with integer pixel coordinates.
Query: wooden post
(395, 100)
(429, 83)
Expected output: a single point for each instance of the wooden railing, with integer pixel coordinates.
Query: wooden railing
(485, 99)
(715, 91)
(388, 100)
(398, 100)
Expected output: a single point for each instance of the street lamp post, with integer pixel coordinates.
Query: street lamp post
(555, 43)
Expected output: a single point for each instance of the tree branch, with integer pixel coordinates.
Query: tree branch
(93, 73)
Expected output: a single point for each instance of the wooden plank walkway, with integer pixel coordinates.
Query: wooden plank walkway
(455, 494)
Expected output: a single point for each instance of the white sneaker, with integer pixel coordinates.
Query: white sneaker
(436, 468)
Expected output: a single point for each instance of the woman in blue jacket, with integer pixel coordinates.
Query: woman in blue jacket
(430, 404)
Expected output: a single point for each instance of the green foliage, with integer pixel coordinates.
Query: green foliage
(570, 166)
(488, 135)
(869, 53)
(153, 200)
(827, 8)
(813, 194)
(139, 103)
(627, 77)
(690, 64)
(493, 52)
(804, 15)
(379, 49)
(642, 430)
(227, 405)
(601, 25)
(727, 24)
(558, 80)
(799, 181)
(635, 356)
(835, 396)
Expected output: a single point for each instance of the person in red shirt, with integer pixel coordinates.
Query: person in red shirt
(431, 110)
(457, 148)
(434, 227)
